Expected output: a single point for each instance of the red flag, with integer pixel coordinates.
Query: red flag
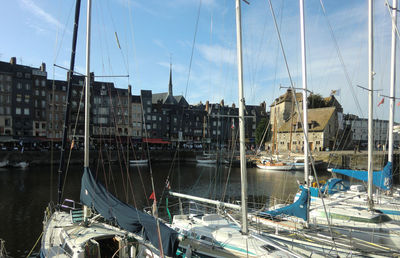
(398, 104)
(152, 196)
(383, 100)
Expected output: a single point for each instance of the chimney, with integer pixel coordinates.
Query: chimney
(263, 105)
(233, 105)
(43, 67)
(207, 106)
(222, 103)
(13, 60)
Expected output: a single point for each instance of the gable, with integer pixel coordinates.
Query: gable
(317, 117)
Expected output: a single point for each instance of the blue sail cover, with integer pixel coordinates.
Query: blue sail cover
(382, 179)
(298, 208)
(332, 186)
(95, 195)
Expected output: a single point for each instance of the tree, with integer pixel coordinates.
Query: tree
(261, 127)
(316, 101)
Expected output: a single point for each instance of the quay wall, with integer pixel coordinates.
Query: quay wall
(37, 158)
(343, 159)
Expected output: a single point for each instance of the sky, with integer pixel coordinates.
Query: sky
(199, 39)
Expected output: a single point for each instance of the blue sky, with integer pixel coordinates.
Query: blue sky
(153, 32)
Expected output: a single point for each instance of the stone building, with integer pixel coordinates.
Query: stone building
(322, 131)
(283, 107)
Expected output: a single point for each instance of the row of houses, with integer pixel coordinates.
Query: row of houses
(32, 108)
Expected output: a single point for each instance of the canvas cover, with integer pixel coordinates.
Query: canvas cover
(297, 209)
(382, 179)
(94, 195)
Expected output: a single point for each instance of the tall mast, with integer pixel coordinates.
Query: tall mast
(370, 100)
(304, 80)
(87, 85)
(87, 98)
(61, 167)
(392, 80)
(243, 171)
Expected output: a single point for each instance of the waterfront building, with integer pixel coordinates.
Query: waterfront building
(19, 116)
(322, 125)
(6, 128)
(56, 101)
(136, 117)
(358, 131)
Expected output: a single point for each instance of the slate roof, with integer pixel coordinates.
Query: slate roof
(287, 97)
(319, 117)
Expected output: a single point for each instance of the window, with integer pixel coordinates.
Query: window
(37, 82)
(26, 111)
(19, 97)
(43, 93)
(27, 98)
(27, 76)
(27, 86)
(36, 92)
(43, 83)
(19, 85)
(18, 111)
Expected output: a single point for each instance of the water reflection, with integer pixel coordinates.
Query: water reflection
(26, 193)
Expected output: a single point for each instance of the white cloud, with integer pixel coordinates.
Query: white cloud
(218, 54)
(30, 6)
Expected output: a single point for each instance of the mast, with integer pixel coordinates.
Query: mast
(87, 98)
(392, 80)
(370, 101)
(61, 167)
(304, 80)
(87, 86)
(243, 171)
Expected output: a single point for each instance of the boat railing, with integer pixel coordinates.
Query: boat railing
(48, 212)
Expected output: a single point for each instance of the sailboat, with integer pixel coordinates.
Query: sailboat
(104, 226)
(350, 221)
(386, 204)
(212, 234)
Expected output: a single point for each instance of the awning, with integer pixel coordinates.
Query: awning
(155, 140)
(7, 139)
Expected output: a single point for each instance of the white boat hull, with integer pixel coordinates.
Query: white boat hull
(64, 238)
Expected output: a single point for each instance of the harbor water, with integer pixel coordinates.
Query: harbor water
(25, 193)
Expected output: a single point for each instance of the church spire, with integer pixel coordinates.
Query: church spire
(170, 80)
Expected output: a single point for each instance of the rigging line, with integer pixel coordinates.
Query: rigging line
(73, 137)
(193, 45)
(302, 122)
(281, 44)
(113, 117)
(115, 31)
(63, 33)
(354, 95)
(392, 18)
